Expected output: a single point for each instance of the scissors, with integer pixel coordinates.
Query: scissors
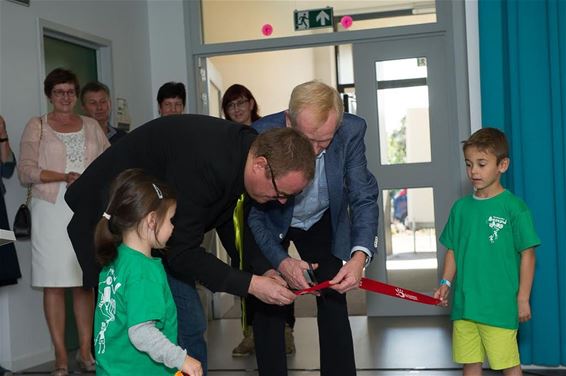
(311, 277)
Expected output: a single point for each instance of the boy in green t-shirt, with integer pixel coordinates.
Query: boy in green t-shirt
(490, 262)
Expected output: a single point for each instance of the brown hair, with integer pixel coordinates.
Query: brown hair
(60, 76)
(489, 140)
(286, 150)
(318, 96)
(235, 92)
(133, 196)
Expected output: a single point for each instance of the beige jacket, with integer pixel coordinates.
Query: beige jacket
(50, 153)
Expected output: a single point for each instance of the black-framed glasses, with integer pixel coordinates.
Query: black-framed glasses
(278, 194)
(240, 103)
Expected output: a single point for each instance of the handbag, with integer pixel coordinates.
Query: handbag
(22, 221)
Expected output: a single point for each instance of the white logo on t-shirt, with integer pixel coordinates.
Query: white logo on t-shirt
(107, 306)
(496, 224)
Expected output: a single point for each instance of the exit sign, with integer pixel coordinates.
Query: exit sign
(313, 18)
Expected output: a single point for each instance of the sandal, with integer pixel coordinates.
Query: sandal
(85, 366)
(60, 372)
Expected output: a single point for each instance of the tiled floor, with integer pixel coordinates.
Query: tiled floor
(414, 346)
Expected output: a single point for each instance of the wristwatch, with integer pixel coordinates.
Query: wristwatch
(4, 139)
(445, 282)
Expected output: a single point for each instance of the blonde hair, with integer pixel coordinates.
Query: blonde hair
(318, 96)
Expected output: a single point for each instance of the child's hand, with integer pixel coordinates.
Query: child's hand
(192, 367)
(524, 310)
(442, 294)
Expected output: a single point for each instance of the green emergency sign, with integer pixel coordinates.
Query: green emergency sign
(313, 18)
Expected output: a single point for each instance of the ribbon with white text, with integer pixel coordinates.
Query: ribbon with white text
(380, 288)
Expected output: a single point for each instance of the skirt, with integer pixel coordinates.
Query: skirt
(53, 259)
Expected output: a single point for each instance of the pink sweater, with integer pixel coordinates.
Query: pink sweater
(50, 154)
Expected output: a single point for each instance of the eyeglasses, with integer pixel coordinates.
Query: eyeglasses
(61, 93)
(278, 194)
(237, 104)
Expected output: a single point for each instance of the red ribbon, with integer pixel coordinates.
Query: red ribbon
(381, 288)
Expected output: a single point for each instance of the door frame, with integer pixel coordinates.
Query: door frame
(451, 21)
(445, 154)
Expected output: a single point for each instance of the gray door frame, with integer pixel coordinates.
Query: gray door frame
(442, 173)
(450, 21)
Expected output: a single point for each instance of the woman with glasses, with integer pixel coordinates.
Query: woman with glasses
(54, 150)
(239, 105)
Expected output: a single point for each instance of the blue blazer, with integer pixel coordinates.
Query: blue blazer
(352, 192)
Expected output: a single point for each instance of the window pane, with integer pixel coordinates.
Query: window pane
(232, 21)
(410, 238)
(345, 64)
(402, 102)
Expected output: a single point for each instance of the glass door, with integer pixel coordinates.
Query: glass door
(413, 150)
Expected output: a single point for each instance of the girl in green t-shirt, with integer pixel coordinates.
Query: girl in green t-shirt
(135, 317)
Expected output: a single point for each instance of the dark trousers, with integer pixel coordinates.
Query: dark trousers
(253, 262)
(335, 335)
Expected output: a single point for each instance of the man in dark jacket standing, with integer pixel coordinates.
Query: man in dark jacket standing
(210, 163)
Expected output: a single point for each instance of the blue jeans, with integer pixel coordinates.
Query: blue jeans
(190, 320)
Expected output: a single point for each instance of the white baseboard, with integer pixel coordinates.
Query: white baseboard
(29, 360)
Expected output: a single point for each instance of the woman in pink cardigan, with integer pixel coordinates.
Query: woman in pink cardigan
(55, 149)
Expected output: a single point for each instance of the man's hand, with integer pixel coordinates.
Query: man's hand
(293, 271)
(271, 290)
(349, 276)
(272, 273)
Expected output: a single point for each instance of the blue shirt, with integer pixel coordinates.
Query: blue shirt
(311, 204)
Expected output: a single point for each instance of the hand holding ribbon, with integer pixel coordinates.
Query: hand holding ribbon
(350, 274)
(381, 288)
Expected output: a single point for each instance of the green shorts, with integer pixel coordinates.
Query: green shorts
(472, 341)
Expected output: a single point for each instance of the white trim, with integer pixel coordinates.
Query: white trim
(474, 83)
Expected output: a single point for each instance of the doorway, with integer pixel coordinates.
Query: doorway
(403, 93)
(399, 88)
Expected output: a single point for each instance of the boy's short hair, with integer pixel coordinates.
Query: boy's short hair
(489, 139)
(95, 87)
(172, 90)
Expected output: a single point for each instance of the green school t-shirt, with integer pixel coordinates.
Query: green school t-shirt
(132, 289)
(487, 237)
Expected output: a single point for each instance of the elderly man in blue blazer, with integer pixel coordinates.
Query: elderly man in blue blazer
(333, 220)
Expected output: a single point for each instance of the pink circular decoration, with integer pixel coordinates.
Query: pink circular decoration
(346, 22)
(267, 29)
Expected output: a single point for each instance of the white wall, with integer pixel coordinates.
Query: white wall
(270, 76)
(167, 41)
(138, 65)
